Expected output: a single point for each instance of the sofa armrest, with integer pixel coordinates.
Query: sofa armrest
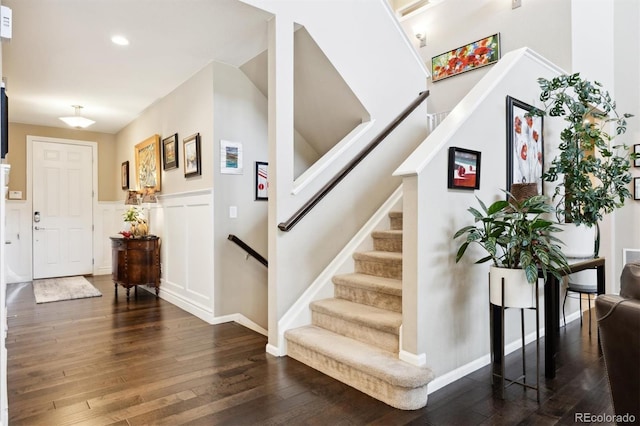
(619, 326)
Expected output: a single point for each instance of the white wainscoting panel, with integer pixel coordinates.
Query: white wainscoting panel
(107, 222)
(18, 241)
(185, 226)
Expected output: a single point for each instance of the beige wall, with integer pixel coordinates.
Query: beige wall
(108, 173)
(186, 110)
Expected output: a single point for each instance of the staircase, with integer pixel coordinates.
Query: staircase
(354, 336)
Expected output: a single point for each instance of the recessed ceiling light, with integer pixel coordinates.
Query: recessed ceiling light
(120, 40)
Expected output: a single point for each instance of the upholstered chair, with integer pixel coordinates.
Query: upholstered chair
(619, 326)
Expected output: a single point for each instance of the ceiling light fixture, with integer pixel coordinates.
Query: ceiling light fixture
(77, 121)
(120, 40)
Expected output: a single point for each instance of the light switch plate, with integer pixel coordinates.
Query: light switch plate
(15, 195)
(233, 212)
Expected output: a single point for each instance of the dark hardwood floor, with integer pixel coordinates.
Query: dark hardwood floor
(104, 361)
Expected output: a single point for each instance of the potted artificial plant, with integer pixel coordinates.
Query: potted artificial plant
(137, 223)
(594, 168)
(519, 241)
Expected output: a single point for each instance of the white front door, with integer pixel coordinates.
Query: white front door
(62, 209)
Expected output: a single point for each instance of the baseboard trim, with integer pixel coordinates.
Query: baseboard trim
(419, 360)
(242, 320)
(460, 372)
(274, 350)
(186, 305)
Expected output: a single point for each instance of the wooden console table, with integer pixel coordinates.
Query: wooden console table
(135, 261)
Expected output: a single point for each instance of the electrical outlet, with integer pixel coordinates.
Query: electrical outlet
(516, 4)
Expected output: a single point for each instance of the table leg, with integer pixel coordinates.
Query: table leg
(496, 332)
(551, 324)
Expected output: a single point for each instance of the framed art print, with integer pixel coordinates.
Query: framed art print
(148, 163)
(262, 185)
(170, 152)
(465, 58)
(124, 175)
(230, 157)
(464, 169)
(636, 150)
(192, 162)
(525, 145)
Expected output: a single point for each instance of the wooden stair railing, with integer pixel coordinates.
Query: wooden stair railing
(311, 203)
(249, 250)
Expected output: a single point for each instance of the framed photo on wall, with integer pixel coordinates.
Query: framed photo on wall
(636, 150)
(262, 184)
(192, 162)
(148, 163)
(124, 175)
(464, 169)
(525, 145)
(636, 188)
(170, 152)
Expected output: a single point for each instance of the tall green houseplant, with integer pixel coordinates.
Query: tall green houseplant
(595, 168)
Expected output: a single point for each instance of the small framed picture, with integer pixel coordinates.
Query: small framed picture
(262, 185)
(230, 157)
(170, 152)
(464, 169)
(636, 150)
(525, 145)
(124, 175)
(636, 188)
(191, 146)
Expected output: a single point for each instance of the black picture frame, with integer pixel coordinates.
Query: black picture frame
(124, 175)
(191, 151)
(636, 150)
(261, 181)
(170, 152)
(525, 144)
(464, 169)
(636, 188)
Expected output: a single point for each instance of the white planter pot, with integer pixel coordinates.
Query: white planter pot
(518, 293)
(578, 241)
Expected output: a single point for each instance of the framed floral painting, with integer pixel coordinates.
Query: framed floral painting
(480, 53)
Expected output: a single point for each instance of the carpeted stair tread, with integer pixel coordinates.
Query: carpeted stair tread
(370, 282)
(378, 256)
(389, 233)
(361, 356)
(369, 316)
(388, 240)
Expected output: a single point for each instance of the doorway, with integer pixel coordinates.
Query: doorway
(61, 183)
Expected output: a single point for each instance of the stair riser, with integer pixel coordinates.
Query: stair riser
(390, 269)
(395, 396)
(387, 341)
(368, 297)
(388, 244)
(396, 222)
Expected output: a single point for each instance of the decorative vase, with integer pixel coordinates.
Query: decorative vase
(139, 228)
(518, 292)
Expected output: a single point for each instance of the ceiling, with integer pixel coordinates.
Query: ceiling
(61, 54)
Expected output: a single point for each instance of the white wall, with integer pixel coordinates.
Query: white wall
(377, 62)
(240, 115)
(542, 25)
(437, 291)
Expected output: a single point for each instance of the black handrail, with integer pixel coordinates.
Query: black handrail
(310, 204)
(248, 249)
